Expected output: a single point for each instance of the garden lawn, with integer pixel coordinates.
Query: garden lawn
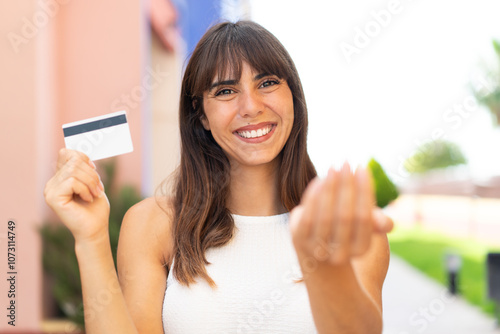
(425, 249)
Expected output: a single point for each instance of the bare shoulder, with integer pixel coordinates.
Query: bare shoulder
(149, 223)
(144, 251)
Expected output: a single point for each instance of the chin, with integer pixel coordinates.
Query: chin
(257, 161)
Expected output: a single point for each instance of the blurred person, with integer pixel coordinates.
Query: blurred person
(251, 240)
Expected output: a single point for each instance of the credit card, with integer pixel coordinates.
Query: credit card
(99, 137)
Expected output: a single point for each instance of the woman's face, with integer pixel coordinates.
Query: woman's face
(250, 119)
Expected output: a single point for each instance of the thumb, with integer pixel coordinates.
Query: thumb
(382, 222)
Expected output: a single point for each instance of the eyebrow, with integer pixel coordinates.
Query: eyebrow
(234, 82)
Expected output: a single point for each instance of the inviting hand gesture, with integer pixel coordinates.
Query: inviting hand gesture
(337, 217)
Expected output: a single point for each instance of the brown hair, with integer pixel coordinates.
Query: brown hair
(201, 219)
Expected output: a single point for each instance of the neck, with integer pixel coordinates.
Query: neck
(254, 190)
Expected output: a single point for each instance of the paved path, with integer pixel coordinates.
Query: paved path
(413, 303)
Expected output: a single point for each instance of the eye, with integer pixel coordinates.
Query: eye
(270, 82)
(224, 91)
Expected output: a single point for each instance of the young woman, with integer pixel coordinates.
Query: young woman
(251, 241)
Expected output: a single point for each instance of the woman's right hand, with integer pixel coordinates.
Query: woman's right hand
(76, 194)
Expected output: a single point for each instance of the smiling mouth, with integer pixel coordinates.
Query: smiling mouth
(250, 134)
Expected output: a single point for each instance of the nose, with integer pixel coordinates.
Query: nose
(251, 104)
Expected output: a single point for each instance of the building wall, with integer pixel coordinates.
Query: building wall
(101, 69)
(61, 61)
(19, 195)
(165, 116)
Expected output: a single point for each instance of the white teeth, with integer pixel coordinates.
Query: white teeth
(256, 133)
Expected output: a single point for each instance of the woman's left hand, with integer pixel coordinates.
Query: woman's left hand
(337, 217)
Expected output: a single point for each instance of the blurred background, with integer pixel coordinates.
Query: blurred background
(410, 87)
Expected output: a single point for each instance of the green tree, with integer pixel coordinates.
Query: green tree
(490, 96)
(385, 189)
(434, 155)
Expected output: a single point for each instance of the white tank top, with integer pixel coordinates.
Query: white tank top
(255, 293)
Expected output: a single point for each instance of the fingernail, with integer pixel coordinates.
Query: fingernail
(346, 168)
(331, 172)
(92, 164)
(101, 186)
(97, 191)
(360, 173)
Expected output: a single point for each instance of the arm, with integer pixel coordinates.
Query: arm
(104, 305)
(75, 194)
(133, 303)
(143, 255)
(348, 298)
(342, 248)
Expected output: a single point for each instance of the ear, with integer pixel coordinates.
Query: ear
(204, 122)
